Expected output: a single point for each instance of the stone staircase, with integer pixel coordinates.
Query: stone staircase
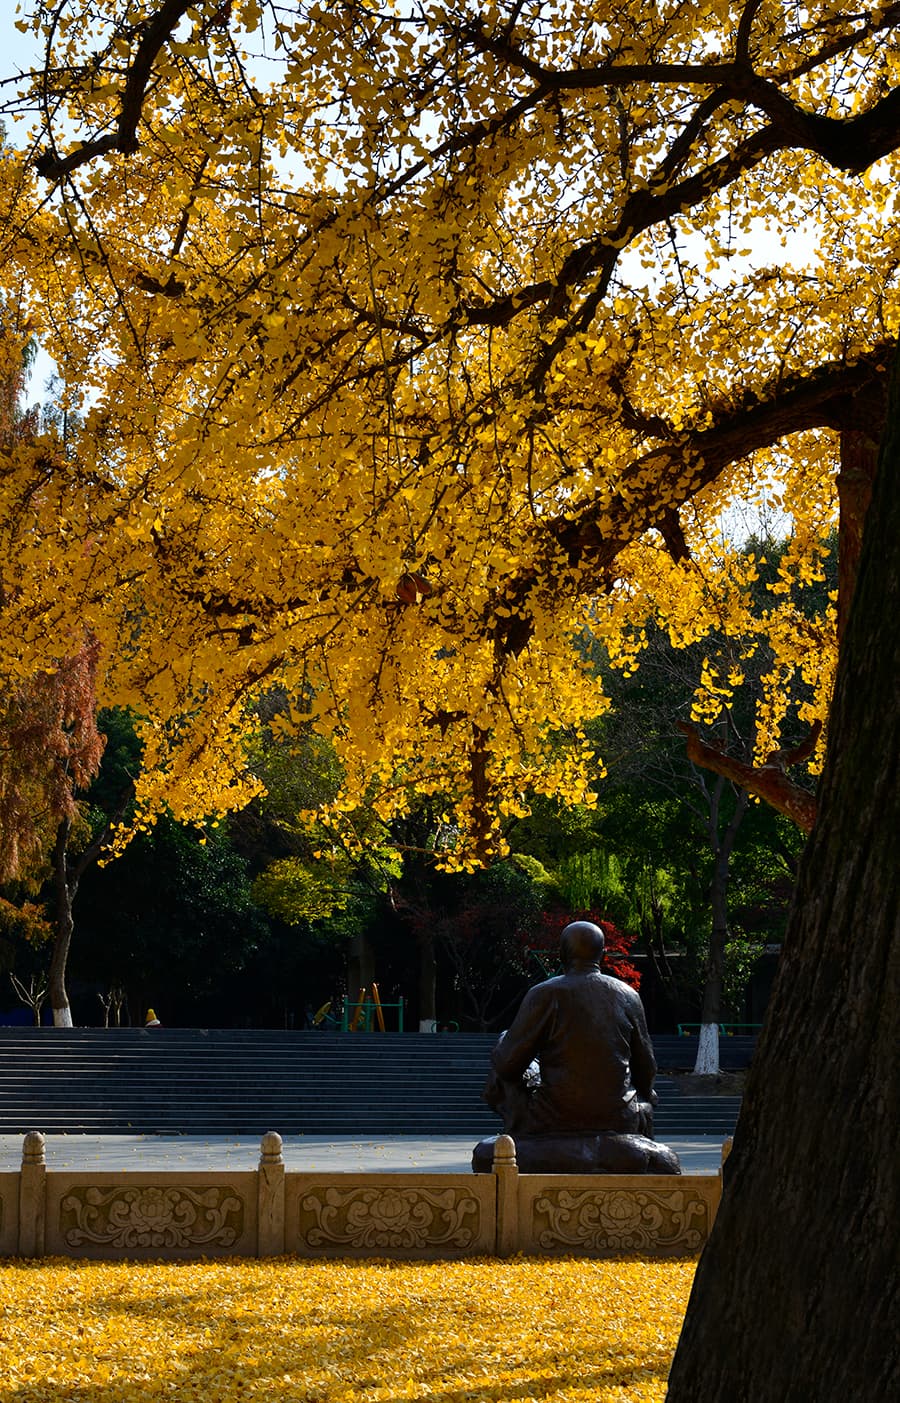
(172, 1081)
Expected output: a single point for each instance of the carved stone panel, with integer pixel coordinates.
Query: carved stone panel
(9, 1206)
(165, 1218)
(391, 1218)
(608, 1221)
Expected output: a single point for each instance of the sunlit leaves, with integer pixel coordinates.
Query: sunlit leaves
(472, 299)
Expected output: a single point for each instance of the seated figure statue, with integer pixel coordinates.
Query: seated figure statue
(572, 1078)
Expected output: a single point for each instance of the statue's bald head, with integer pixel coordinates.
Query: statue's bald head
(582, 943)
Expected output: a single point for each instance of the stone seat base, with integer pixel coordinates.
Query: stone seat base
(601, 1153)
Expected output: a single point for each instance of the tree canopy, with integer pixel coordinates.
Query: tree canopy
(413, 341)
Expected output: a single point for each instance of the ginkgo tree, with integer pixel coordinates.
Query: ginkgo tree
(415, 339)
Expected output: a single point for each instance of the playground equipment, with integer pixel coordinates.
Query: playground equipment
(368, 1011)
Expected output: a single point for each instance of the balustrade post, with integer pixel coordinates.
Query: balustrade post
(32, 1195)
(270, 1207)
(506, 1172)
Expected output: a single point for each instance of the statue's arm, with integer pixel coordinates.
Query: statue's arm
(523, 1039)
(643, 1062)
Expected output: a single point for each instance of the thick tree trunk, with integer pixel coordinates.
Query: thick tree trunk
(427, 982)
(861, 429)
(360, 966)
(707, 1061)
(67, 876)
(797, 1295)
(63, 926)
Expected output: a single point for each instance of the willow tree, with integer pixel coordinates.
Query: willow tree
(414, 340)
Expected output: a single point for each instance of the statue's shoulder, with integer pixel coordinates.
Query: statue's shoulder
(621, 991)
(541, 997)
(547, 988)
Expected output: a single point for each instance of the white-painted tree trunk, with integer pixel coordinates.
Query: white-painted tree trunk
(707, 1063)
(62, 1017)
(427, 1025)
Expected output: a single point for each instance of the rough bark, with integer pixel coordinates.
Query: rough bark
(798, 1292)
(861, 430)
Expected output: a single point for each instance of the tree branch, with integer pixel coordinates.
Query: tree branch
(786, 406)
(157, 31)
(597, 533)
(768, 781)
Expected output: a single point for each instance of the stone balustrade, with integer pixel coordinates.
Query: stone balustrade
(269, 1212)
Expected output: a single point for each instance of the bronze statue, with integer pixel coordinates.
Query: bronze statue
(572, 1078)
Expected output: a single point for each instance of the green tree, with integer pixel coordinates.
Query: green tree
(715, 689)
(173, 922)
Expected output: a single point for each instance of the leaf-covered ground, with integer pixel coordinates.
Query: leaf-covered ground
(338, 1332)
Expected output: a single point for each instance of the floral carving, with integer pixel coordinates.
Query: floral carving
(391, 1218)
(152, 1217)
(611, 1220)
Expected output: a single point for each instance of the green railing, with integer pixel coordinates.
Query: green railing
(688, 1030)
(541, 958)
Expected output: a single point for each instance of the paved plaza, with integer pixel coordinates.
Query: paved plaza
(436, 1154)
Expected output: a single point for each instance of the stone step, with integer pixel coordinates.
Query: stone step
(110, 1089)
(219, 1081)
